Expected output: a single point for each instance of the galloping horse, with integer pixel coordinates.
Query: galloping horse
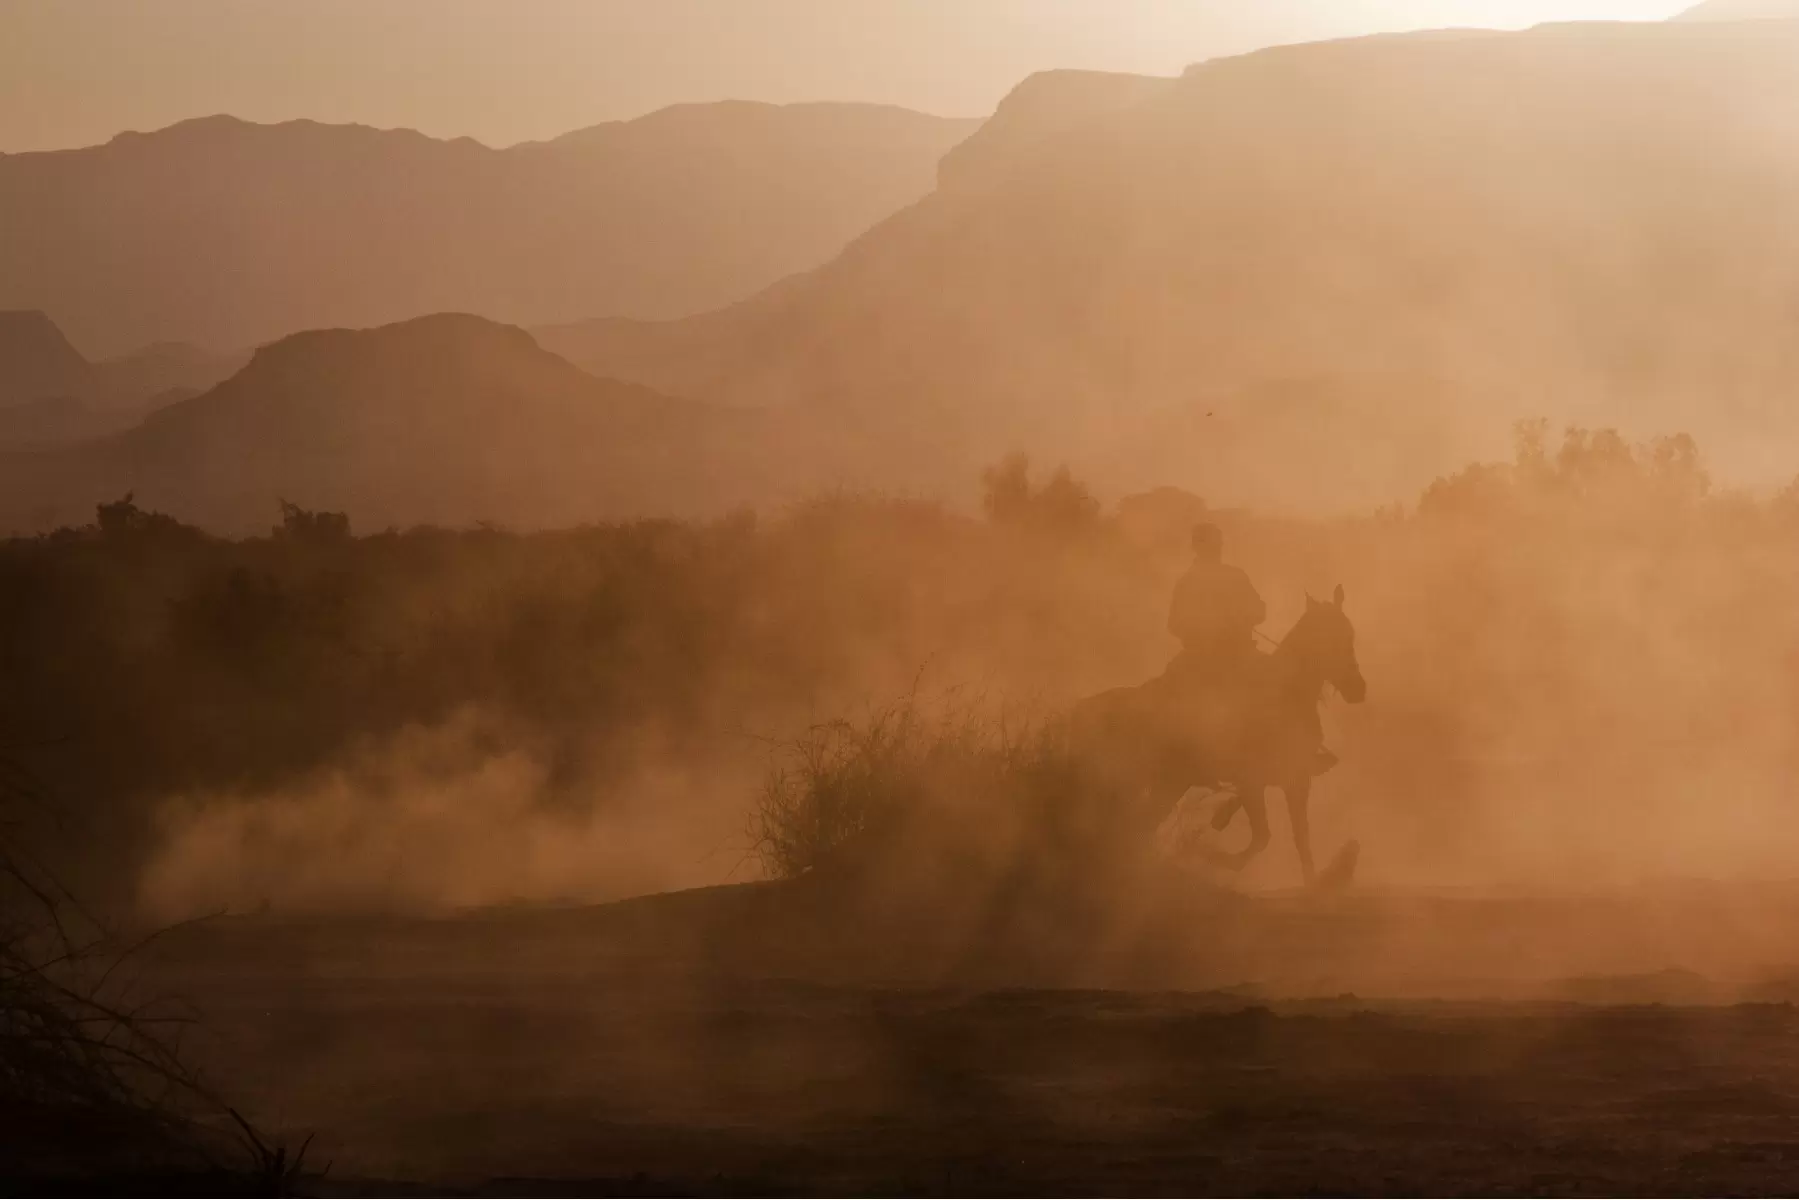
(1147, 745)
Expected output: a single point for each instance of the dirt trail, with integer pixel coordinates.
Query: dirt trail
(756, 1039)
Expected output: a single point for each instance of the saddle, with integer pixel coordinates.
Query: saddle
(1234, 678)
(1229, 699)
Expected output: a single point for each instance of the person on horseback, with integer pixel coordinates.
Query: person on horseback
(1215, 613)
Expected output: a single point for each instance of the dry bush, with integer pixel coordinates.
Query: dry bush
(93, 1084)
(940, 799)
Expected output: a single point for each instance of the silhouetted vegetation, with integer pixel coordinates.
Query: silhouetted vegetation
(846, 789)
(1590, 613)
(301, 525)
(93, 1084)
(1593, 471)
(1062, 506)
(150, 661)
(951, 816)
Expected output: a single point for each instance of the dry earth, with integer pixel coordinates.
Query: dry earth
(778, 1039)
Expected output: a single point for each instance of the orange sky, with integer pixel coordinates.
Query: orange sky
(74, 72)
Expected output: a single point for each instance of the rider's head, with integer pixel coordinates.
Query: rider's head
(1208, 543)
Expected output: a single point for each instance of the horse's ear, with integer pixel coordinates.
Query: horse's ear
(1310, 603)
(1338, 598)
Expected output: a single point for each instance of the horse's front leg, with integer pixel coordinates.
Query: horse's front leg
(1299, 812)
(1251, 798)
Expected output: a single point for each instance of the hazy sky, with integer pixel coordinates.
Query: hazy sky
(74, 72)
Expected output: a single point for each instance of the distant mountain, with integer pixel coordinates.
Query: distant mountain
(49, 393)
(1741, 10)
(221, 232)
(1315, 275)
(446, 419)
(129, 382)
(36, 360)
(1047, 105)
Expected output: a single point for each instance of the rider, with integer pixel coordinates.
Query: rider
(1215, 613)
(1216, 610)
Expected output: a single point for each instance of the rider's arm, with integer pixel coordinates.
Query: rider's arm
(1254, 610)
(1177, 611)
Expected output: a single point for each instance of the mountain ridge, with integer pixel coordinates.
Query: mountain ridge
(1578, 222)
(221, 231)
(446, 419)
(37, 361)
(50, 392)
(1741, 10)
(666, 114)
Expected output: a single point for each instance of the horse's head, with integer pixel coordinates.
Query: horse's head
(1326, 639)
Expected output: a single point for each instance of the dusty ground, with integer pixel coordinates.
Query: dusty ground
(755, 1040)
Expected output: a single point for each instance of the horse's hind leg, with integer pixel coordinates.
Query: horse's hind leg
(1227, 812)
(1299, 812)
(1255, 805)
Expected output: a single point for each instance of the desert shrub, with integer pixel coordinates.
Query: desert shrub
(835, 782)
(93, 1084)
(86, 1079)
(1595, 473)
(123, 519)
(305, 526)
(949, 796)
(1062, 506)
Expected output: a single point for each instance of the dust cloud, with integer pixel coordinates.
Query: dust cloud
(1317, 322)
(437, 819)
(1580, 665)
(645, 748)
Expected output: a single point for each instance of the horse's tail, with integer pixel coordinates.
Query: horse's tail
(1093, 717)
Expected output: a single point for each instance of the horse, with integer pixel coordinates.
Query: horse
(1147, 745)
